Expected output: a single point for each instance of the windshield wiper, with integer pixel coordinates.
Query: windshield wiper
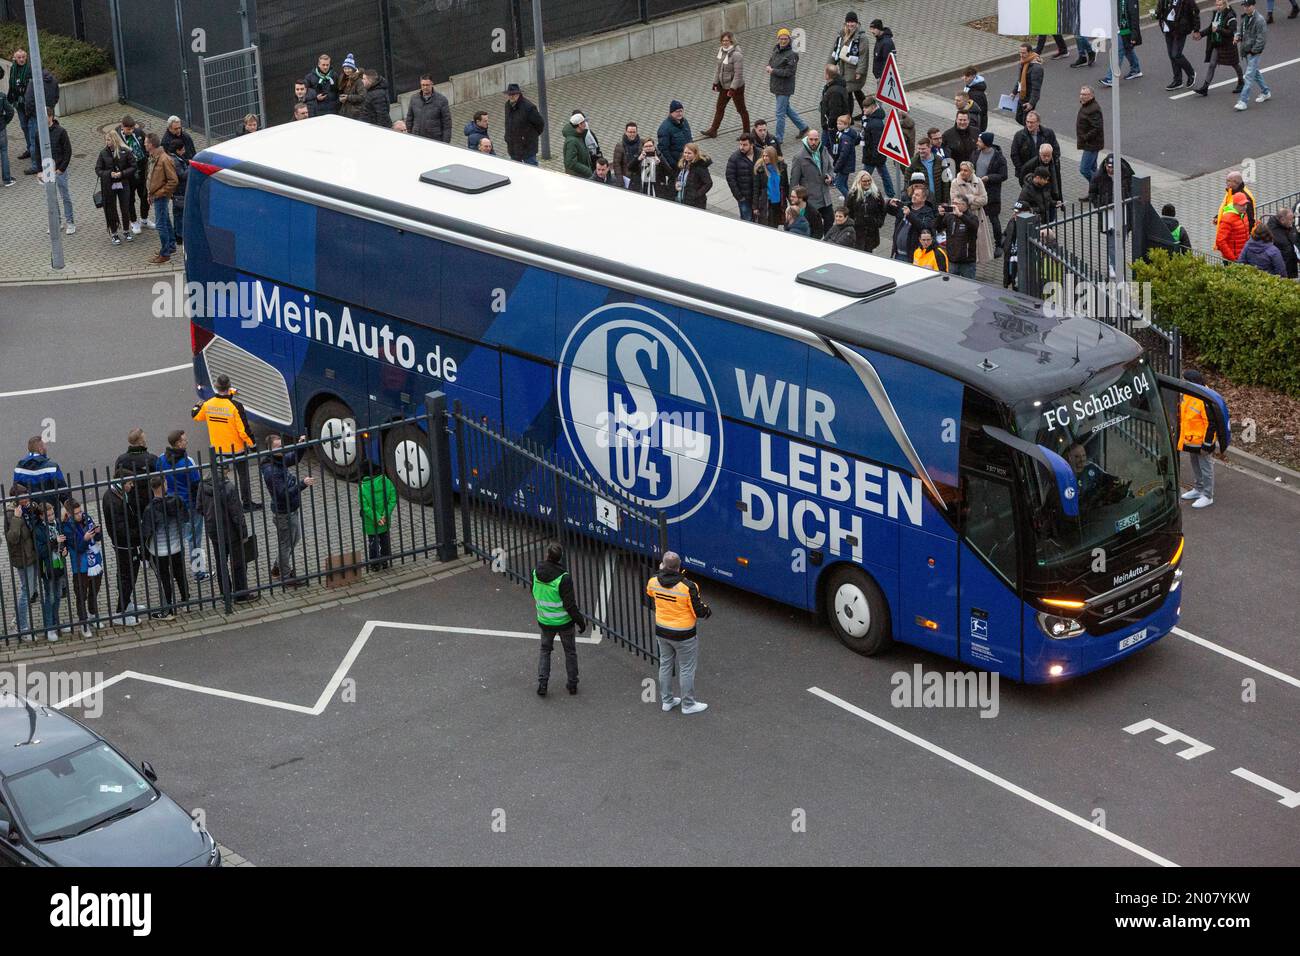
(124, 812)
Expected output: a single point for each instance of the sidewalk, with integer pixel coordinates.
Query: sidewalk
(87, 253)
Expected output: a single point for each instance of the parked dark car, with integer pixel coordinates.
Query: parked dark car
(70, 798)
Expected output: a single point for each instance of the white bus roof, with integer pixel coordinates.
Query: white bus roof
(662, 238)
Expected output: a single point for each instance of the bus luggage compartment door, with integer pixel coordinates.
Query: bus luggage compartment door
(927, 590)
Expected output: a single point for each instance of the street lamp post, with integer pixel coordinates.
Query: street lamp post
(43, 140)
(540, 56)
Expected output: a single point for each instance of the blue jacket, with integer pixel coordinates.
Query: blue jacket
(41, 476)
(181, 474)
(281, 483)
(79, 549)
(673, 139)
(473, 134)
(800, 227)
(844, 151)
(1262, 254)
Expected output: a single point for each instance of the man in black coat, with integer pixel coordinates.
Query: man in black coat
(881, 49)
(524, 126)
(226, 527)
(959, 140)
(1282, 227)
(1036, 194)
(322, 88)
(835, 102)
(428, 113)
(1177, 20)
(1025, 145)
(374, 109)
(1029, 82)
(29, 110)
(740, 176)
(991, 168)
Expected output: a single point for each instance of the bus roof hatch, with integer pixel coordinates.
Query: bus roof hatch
(835, 277)
(464, 179)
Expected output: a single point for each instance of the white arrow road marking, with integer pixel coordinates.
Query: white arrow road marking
(98, 381)
(992, 778)
(331, 688)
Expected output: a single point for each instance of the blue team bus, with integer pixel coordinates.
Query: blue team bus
(914, 456)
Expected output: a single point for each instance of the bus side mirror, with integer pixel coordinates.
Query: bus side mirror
(1067, 488)
(1215, 407)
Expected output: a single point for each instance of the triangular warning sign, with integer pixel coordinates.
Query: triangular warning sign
(890, 91)
(891, 142)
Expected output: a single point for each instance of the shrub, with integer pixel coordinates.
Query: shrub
(1243, 322)
(68, 59)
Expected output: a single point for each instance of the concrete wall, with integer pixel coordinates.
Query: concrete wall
(87, 94)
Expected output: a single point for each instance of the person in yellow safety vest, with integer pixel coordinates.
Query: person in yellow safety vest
(1196, 437)
(1236, 184)
(557, 614)
(677, 607)
(229, 433)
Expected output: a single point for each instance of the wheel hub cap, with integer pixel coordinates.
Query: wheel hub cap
(852, 611)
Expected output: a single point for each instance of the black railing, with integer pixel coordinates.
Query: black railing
(217, 535)
(516, 498)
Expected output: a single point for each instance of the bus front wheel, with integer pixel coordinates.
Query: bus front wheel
(858, 612)
(406, 459)
(340, 450)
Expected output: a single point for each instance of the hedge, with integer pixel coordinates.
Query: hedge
(1243, 322)
(68, 59)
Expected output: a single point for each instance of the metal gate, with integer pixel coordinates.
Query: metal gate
(231, 88)
(515, 499)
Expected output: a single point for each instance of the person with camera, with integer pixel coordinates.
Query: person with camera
(651, 173)
(960, 224)
(677, 607)
(910, 218)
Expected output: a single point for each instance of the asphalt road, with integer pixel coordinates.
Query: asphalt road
(1191, 135)
(57, 336)
(441, 735)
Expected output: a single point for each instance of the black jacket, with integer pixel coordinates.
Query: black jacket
(122, 519)
(979, 92)
(997, 175)
(283, 486)
(1183, 242)
(429, 118)
(1024, 150)
(1035, 199)
(962, 232)
(845, 235)
(524, 126)
(960, 145)
(328, 84)
(60, 148)
(374, 109)
(1101, 191)
(171, 142)
(51, 94)
(784, 63)
(868, 215)
(740, 176)
(139, 462)
(1033, 87)
(1089, 128)
(884, 46)
(915, 221)
(835, 102)
(108, 163)
(547, 572)
(1285, 240)
(1186, 22)
(698, 184)
(233, 527)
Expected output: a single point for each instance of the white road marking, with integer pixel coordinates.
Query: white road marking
(993, 778)
(606, 586)
(331, 688)
(98, 381)
(1239, 658)
(1266, 69)
(1290, 798)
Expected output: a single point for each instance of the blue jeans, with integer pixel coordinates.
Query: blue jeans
(1083, 44)
(841, 182)
(1088, 164)
(746, 209)
(1253, 76)
(1126, 52)
(56, 589)
(162, 217)
(687, 655)
(198, 557)
(885, 181)
(61, 181)
(5, 175)
(532, 160)
(33, 141)
(966, 269)
(29, 583)
(784, 109)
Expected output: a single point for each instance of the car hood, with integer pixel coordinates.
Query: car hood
(162, 834)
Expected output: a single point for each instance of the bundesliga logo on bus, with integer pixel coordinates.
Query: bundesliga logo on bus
(639, 409)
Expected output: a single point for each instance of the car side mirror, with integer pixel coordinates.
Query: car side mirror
(149, 772)
(13, 835)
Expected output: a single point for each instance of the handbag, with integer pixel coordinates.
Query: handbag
(250, 549)
(99, 198)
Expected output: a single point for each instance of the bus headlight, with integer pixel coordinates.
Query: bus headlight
(1057, 627)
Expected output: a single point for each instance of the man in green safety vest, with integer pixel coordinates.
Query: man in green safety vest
(557, 614)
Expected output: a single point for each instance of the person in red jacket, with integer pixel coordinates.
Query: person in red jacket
(1232, 232)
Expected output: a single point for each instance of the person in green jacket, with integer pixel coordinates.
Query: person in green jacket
(378, 499)
(577, 154)
(557, 616)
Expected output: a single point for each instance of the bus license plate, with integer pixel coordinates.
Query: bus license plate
(1133, 639)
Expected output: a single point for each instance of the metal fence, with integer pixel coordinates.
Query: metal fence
(516, 498)
(231, 88)
(1069, 259)
(217, 537)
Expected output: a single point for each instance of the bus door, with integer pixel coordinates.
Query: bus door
(989, 615)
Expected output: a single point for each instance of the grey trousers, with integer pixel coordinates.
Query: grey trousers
(687, 654)
(288, 532)
(1202, 472)
(569, 641)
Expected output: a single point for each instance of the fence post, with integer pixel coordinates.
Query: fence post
(1138, 215)
(462, 471)
(444, 514)
(1022, 224)
(216, 469)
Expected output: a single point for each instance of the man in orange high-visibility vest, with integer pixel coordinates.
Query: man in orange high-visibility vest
(677, 607)
(1196, 437)
(228, 433)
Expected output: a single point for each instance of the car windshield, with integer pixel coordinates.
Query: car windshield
(1113, 433)
(72, 794)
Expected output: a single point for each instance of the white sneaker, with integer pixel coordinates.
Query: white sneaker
(149, 224)
(86, 631)
(51, 635)
(1203, 502)
(1264, 97)
(1239, 105)
(670, 702)
(694, 708)
(71, 228)
(130, 620)
(1190, 495)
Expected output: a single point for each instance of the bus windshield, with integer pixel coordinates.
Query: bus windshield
(1112, 431)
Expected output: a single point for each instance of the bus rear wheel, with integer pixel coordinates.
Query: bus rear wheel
(340, 451)
(407, 462)
(858, 612)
